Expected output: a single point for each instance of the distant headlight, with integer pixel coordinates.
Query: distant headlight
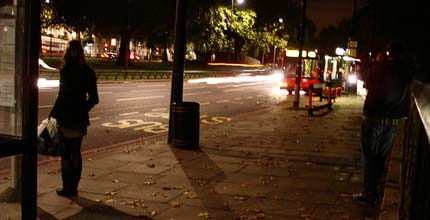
(283, 84)
(277, 75)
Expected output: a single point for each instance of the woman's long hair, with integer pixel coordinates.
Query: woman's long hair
(74, 54)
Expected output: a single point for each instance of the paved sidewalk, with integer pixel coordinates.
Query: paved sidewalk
(277, 163)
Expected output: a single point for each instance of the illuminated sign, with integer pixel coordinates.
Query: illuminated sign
(312, 54)
(340, 51)
(295, 53)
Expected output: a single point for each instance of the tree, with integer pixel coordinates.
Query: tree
(113, 18)
(47, 16)
(73, 15)
(219, 29)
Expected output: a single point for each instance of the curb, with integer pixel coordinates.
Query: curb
(88, 153)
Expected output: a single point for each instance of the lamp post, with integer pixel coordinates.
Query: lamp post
(301, 39)
(274, 55)
(280, 20)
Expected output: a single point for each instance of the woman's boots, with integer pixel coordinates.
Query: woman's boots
(71, 178)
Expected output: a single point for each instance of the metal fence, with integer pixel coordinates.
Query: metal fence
(415, 180)
(109, 75)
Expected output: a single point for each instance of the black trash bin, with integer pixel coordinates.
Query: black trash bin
(186, 125)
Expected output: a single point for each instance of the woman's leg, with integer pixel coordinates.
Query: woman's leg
(66, 168)
(76, 163)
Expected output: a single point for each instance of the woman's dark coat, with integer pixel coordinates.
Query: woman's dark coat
(76, 97)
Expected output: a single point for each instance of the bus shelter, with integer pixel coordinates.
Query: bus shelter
(19, 52)
(341, 71)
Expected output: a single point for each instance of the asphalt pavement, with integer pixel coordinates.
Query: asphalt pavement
(274, 163)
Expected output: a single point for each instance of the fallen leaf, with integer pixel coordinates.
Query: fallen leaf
(302, 209)
(110, 201)
(112, 193)
(153, 213)
(208, 167)
(261, 215)
(175, 204)
(241, 198)
(202, 182)
(203, 215)
(192, 197)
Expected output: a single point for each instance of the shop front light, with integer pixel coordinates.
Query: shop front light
(352, 79)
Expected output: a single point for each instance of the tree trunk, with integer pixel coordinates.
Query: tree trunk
(165, 58)
(124, 50)
(238, 46)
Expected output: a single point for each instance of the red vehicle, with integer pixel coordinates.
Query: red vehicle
(309, 70)
(289, 82)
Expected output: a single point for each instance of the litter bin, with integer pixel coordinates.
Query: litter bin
(186, 125)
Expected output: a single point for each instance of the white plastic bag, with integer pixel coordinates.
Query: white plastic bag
(50, 138)
(50, 124)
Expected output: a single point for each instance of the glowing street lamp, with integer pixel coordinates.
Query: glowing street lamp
(238, 2)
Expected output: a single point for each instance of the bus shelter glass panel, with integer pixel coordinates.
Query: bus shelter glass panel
(10, 109)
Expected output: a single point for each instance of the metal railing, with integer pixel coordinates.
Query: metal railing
(415, 178)
(108, 75)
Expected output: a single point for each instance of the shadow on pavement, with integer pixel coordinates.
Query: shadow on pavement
(43, 215)
(95, 210)
(201, 180)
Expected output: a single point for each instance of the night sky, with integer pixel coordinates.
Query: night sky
(323, 13)
(330, 12)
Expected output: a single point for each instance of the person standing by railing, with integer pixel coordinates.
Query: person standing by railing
(387, 102)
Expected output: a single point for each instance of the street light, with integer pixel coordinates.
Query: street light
(280, 20)
(232, 11)
(238, 2)
(274, 55)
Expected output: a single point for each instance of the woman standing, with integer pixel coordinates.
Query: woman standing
(76, 97)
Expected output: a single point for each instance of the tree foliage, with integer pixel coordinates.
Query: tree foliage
(223, 30)
(73, 15)
(125, 19)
